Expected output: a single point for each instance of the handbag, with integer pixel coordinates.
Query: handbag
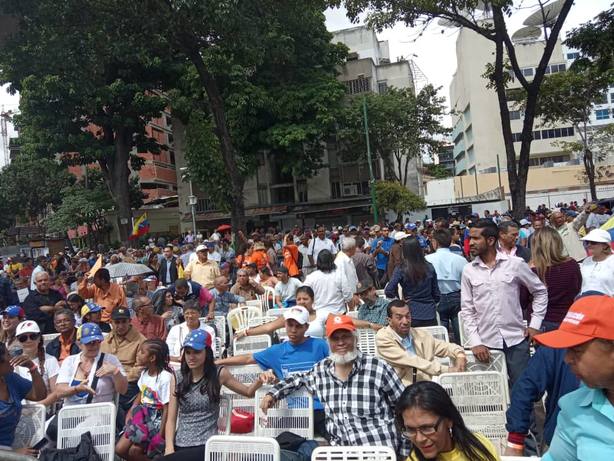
(241, 422)
(95, 380)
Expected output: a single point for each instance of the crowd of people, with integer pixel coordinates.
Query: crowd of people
(151, 343)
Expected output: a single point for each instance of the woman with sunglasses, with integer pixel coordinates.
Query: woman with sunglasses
(11, 316)
(13, 389)
(75, 379)
(430, 421)
(31, 341)
(598, 268)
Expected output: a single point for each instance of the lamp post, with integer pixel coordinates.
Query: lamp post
(371, 175)
(192, 199)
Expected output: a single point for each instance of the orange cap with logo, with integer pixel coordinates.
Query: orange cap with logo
(588, 318)
(338, 322)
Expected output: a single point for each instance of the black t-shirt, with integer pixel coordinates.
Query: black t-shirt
(32, 305)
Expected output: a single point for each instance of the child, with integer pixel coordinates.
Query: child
(143, 433)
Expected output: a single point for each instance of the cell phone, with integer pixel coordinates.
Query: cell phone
(40, 444)
(15, 352)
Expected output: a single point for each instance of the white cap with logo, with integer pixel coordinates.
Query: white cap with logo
(298, 313)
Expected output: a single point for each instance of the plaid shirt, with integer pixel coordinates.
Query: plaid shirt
(224, 300)
(359, 411)
(376, 312)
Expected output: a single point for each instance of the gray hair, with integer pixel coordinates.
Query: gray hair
(348, 243)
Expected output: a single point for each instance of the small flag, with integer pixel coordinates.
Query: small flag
(609, 226)
(141, 227)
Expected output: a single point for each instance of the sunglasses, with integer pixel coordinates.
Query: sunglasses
(30, 337)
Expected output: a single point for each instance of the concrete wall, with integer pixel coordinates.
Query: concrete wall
(361, 40)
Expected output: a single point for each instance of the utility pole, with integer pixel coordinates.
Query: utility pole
(371, 175)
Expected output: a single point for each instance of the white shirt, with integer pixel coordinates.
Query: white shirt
(287, 291)
(345, 264)
(155, 387)
(178, 333)
(305, 251)
(598, 276)
(316, 245)
(331, 291)
(52, 368)
(215, 256)
(105, 390)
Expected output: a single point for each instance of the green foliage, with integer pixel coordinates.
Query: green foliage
(394, 197)
(402, 126)
(31, 187)
(437, 171)
(594, 39)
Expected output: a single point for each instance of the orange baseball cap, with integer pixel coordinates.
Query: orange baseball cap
(338, 322)
(588, 318)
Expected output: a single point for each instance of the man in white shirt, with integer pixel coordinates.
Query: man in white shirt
(213, 254)
(285, 289)
(344, 262)
(41, 267)
(319, 243)
(303, 249)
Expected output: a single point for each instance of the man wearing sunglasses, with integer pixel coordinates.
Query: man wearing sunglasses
(147, 323)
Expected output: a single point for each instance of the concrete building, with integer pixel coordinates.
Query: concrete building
(476, 120)
(339, 193)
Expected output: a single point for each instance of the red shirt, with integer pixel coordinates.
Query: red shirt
(155, 327)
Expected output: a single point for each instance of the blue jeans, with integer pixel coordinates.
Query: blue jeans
(448, 309)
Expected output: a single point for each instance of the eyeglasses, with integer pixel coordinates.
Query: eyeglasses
(31, 337)
(411, 432)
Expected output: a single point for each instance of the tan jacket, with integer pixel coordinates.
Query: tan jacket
(125, 350)
(389, 348)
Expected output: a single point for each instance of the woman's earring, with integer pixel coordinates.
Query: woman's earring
(451, 435)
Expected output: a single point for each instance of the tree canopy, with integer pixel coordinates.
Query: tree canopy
(394, 197)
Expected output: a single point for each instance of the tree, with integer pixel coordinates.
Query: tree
(468, 14)
(89, 77)
(437, 171)
(86, 203)
(402, 126)
(31, 187)
(594, 40)
(394, 197)
(569, 97)
(264, 81)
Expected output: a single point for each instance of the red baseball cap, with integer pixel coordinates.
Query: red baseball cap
(338, 322)
(590, 317)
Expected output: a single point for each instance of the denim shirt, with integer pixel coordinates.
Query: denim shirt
(421, 297)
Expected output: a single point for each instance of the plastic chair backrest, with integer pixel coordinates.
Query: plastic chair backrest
(97, 418)
(31, 426)
(366, 341)
(245, 374)
(437, 332)
(356, 453)
(241, 448)
(293, 414)
(497, 363)
(239, 317)
(268, 299)
(250, 344)
(49, 337)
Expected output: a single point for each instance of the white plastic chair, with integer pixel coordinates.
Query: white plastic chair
(241, 448)
(245, 374)
(268, 299)
(497, 363)
(31, 426)
(293, 414)
(282, 334)
(464, 340)
(223, 420)
(250, 344)
(357, 453)
(352, 314)
(239, 317)
(255, 303)
(257, 321)
(275, 312)
(480, 397)
(49, 337)
(97, 418)
(380, 293)
(437, 332)
(366, 341)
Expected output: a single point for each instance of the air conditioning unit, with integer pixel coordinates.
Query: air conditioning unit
(350, 190)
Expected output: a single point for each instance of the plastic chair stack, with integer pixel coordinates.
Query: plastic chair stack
(250, 344)
(241, 448)
(366, 341)
(293, 414)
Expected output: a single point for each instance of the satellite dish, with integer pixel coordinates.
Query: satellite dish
(546, 18)
(526, 34)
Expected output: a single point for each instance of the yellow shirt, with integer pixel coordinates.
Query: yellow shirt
(457, 455)
(202, 273)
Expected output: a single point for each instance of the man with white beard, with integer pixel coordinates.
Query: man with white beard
(358, 391)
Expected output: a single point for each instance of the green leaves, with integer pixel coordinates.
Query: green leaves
(394, 197)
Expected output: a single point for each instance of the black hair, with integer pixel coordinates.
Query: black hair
(181, 283)
(3, 351)
(75, 298)
(159, 348)
(488, 227)
(307, 290)
(159, 300)
(103, 275)
(443, 237)
(210, 384)
(326, 261)
(431, 397)
(266, 271)
(414, 265)
(191, 304)
(394, 303)
(505, 226)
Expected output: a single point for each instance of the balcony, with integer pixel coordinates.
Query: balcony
(459, 147)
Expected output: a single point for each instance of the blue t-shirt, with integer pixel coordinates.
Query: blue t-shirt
(10, 411)
(381, 260)
(286, 359)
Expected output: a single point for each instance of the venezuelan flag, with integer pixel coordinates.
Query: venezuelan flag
(141, 227)
(609, 226)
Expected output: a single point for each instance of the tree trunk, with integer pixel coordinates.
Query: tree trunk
(216, 105)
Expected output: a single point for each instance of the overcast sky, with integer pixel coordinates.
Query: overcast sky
(434, 51)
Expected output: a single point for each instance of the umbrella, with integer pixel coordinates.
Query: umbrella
(127, 270)
(224, 228)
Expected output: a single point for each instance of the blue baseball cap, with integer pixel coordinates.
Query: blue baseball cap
(89, 332)
(90, 308)
(14, 311)
(410, 226)
(197, 339)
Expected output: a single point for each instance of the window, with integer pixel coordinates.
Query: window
(527, 72)
(602, 114)
(358, 85)
(547, 134)
(171, 154)
(612, 98)
(537, 135)
(382, 86)
(515, 115)
(573, 56)
(603, 99)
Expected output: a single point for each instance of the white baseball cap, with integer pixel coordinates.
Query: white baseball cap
(27, 327)
(400, 236)
(598, 236)
(201, 248)
(298, 313)
(524, 222)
